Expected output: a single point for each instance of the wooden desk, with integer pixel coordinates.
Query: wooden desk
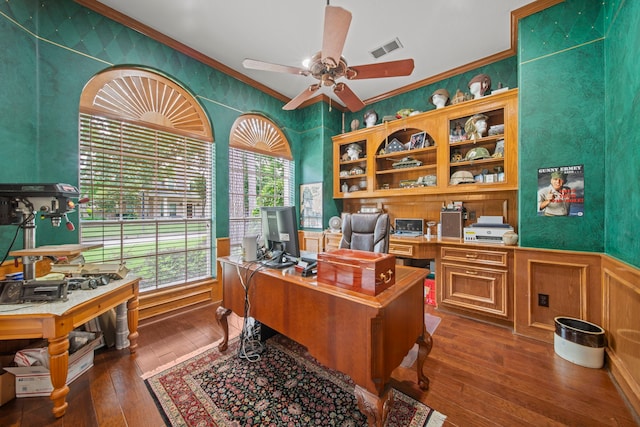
(365, 337)
(54, 321)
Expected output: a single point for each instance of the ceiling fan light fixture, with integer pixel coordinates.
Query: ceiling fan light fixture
(386, 48)
(328, 65)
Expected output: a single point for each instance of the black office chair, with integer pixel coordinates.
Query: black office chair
(366, 232)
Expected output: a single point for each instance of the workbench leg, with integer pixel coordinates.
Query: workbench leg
(425, 343)
(221, 316)
(375, 408)
(132, 322)
(58, 367)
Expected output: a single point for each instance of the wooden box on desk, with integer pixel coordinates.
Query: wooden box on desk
(361, 271)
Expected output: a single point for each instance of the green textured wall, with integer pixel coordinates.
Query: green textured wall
(18, 88)
(316, 161)
(51, 49)
(622, 78)
(561, 119)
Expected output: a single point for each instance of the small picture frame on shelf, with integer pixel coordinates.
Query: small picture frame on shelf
(457, 133)
(417, 140)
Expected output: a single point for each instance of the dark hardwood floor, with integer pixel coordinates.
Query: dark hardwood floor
(481, 375)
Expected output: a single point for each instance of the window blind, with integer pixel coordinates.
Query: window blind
(150, 202)
(255, 180)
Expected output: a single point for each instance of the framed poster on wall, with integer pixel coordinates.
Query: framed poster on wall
(311, 205)
(561, 191)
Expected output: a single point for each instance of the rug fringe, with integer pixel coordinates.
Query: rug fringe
(436, 419)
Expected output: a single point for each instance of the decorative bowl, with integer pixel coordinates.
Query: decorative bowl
(510, 238)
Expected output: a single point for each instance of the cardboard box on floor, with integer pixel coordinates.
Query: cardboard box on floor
(7, 381)
(31, 381)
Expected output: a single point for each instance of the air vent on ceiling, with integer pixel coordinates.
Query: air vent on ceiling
(386, 48)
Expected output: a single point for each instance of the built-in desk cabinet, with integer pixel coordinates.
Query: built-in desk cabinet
(476, 279)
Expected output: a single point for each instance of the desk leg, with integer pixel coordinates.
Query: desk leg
(375, 408)
(59, 366)
(425, 343)
(132, 322)
(221, 316)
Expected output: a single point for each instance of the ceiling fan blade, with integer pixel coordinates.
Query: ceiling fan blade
(403, 67)
(302, 96)
(336, 25)
(267, 66)
(349, 98)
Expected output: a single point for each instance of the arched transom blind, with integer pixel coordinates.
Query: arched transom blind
(141, 96)
(261, 173)
(256, 133)
(146, 166)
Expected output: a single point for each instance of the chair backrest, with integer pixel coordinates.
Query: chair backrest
(366, 232)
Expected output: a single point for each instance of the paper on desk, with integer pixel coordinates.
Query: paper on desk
(490, 219)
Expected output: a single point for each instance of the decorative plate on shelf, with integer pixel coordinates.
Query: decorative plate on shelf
(335, 224)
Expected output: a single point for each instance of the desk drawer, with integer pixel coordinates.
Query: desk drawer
(399, 249)
(479, 256)
(482, 290)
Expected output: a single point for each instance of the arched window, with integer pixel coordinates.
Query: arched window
(261, 173)
(146, 165)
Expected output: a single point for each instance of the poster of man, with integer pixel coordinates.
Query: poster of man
(561, 191)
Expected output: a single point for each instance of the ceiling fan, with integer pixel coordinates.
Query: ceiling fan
(328, 65)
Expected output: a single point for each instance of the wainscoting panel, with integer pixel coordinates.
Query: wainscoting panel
(554, 283)
(621, 288)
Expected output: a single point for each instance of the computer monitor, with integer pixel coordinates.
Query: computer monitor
(280, 233)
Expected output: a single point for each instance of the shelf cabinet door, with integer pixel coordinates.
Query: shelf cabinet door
(488, 159)
(478, 289)
(413, 155)
(351, 166)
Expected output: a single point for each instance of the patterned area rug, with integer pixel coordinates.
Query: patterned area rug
(284, 387)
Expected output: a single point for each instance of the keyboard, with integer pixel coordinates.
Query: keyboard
(275, 263)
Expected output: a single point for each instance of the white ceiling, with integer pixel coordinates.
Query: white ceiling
(439, 35)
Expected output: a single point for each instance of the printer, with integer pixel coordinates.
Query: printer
(488, 229)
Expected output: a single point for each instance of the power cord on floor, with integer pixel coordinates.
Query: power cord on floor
(250, 344)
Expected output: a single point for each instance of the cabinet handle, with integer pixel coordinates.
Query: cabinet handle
(471, 272)
(472, 256)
